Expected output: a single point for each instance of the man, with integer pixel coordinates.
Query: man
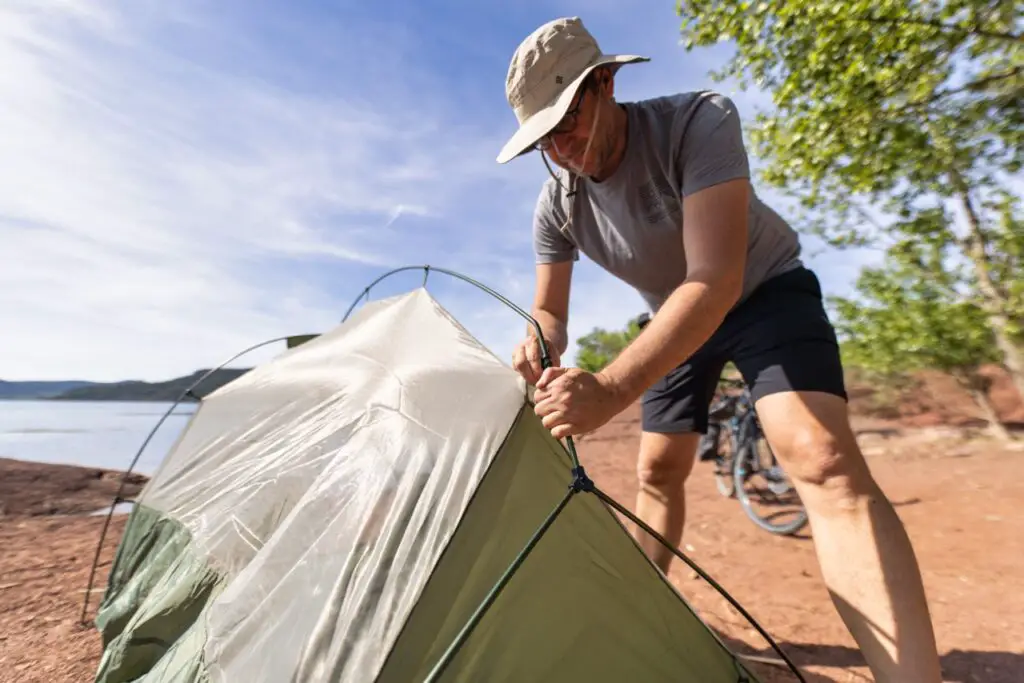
(658, 193)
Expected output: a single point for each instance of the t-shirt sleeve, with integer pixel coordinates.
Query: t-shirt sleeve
(711, 150)
(550, 245)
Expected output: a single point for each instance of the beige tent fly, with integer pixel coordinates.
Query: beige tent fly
(380, 504)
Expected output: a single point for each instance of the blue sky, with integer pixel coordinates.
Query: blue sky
(180, 182)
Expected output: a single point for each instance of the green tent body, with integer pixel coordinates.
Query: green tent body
(340, 512)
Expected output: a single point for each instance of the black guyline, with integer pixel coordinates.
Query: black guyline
(580, 483)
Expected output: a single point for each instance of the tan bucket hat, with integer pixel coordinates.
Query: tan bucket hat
(546, 71)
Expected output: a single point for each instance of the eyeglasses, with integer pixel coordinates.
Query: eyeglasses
(567, 122)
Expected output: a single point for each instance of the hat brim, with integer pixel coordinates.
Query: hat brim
(537, 126)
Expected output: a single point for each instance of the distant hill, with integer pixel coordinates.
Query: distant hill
(27, 391)
(135, 390)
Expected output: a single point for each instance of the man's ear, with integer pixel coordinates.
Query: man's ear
(607, 81)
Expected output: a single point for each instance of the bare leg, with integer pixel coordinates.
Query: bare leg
(862, 547)
(664, 463)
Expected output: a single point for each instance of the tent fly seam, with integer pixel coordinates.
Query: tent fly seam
(582, 483)
(545, 356)
(469, 505)
(499, 586)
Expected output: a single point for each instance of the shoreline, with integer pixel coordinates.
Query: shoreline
(39, 489)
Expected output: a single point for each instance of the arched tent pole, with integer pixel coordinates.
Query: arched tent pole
(544, 356)
(138, 454)
(580, 483)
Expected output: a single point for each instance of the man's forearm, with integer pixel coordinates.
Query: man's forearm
(687, 319)
(553, 329)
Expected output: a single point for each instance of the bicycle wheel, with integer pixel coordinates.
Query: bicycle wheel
(764, 491)
(724, 479)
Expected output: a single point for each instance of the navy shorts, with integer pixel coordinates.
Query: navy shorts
(779, 338)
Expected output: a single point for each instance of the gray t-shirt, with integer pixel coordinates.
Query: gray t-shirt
(631, 223)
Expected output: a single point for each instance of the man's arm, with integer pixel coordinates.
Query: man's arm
(551, 303)
(715, 242)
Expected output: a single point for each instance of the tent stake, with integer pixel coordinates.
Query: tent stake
(693, 565)
(464, 634)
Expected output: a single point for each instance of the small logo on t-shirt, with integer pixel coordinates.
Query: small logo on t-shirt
(653, 202)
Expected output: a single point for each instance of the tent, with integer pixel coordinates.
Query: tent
(380, 503)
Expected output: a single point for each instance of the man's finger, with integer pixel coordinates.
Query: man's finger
(553, 419)
(521, 365)
(545, 406)
(548, 376)
(533, 354)
(563, 431)
(529, 369)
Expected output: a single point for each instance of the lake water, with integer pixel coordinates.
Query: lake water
(104, 434)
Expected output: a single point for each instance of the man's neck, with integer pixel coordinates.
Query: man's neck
(620, 137)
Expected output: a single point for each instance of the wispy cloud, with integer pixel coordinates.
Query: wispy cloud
(150, 203)
(179, 182)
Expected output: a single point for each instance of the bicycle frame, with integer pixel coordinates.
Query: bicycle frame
(739, 417)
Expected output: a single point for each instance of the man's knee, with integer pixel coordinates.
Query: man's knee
(818, 457)
(665, 459)
(830, 474)
(815, 445)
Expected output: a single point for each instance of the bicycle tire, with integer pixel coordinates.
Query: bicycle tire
(747, 454)
(725, 478)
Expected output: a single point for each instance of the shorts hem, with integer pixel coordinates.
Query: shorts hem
(832, 391)
(675, 427)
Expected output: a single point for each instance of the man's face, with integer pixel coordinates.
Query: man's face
(567, 142)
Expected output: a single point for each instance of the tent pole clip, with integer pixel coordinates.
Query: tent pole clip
(580, 480)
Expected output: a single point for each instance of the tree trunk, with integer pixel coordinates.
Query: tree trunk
(978, 387)
(996, 300)
(994, 423)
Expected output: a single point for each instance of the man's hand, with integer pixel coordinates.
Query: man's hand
(571, 401)
(527, 361)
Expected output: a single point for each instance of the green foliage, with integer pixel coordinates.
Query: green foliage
(874, 97)
(887, 115)
(910, 314)
(600, 347)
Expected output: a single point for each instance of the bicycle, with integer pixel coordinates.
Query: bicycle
(748, 460)
(735, 476)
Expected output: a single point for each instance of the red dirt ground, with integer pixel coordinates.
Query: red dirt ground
(957, 497)
(954, 487)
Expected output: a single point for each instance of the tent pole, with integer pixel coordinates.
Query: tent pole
(545, 356)
(131, 466)
(460, 639)
(695, 567)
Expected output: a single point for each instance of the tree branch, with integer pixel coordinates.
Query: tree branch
(979, 84)
(975, 30)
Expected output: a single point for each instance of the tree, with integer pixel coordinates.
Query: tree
(886, 111)
(600, 347)
(910, 314)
